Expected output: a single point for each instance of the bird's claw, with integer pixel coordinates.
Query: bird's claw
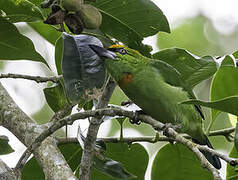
(135, 119)
(167, 126)
(127, 102)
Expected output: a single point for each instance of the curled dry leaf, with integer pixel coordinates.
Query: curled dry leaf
(56, 16)
(74, 23)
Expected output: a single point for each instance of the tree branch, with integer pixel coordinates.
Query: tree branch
(27, 153)
(178, 138)
(38, 79)
(222, 132)
(7, 173)
(155, 124)
(150, 139)
(231, 161)
(89, 144)
(26, 130)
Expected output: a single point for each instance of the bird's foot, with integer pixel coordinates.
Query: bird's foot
(167, 126)
(135, 119)
(127, 102)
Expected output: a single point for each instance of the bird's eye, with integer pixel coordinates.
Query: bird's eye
(122, 51)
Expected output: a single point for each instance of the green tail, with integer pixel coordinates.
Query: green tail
(213, 159)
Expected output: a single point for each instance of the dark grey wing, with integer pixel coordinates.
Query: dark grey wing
(83, 70)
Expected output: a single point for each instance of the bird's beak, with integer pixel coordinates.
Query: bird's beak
(102, 52)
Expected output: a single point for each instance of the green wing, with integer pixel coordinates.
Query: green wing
(174, 78)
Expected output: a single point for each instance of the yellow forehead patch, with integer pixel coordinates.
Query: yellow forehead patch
(117, 46)
(130, 51)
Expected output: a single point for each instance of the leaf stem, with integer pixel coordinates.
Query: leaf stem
(38, 79)
(209, 127)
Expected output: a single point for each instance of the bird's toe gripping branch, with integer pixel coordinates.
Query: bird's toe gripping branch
(127, 102)
(135, 119)
(167, 126)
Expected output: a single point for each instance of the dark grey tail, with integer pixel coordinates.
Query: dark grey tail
(213, 159)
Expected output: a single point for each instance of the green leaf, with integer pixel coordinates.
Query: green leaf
(177, 162)
(141, 15)
(228, 104)
(134, 158)
(46, 31)
(59, 54)
(32, 170)
(231, 171)
(36, 2)
(5, 148)
(55, 97)
(113, 168)
(224, 84)
(106, 41)
(88, 105)
(196, 34)
(126, 35)
(121, 120)
(43, 115)
(72, 154)
(131, 21)
(118, 96)
(15, 46)
(45, 12)
(83, 71)
(235, 54)
(193, 70)
(227, 61)
(20, 11)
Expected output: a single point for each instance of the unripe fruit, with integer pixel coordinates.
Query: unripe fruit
(90, 16)
(72, 5)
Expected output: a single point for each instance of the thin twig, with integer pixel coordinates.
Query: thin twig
(90, 141)
(150, 139)
(231, 161)
(227, 133)
(62, 113)
(38, 79)
(222, 132)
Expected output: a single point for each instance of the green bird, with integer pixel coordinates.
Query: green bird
(158, 89)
